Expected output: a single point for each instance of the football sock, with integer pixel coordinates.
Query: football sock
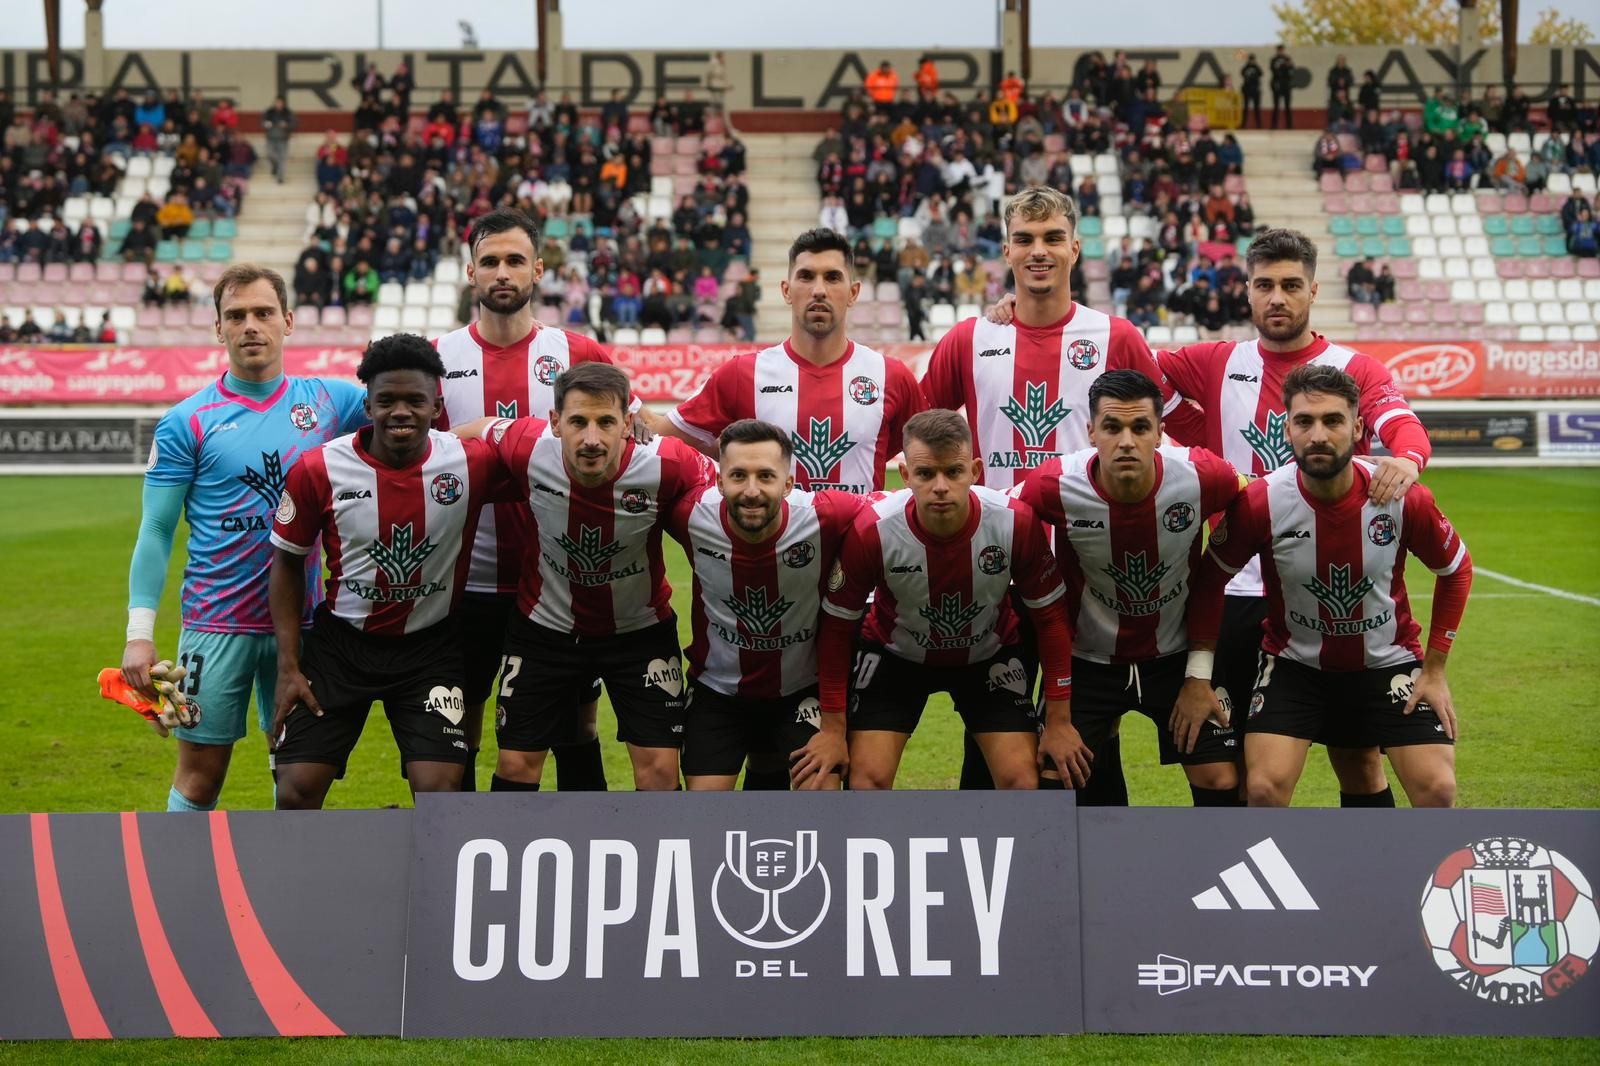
(974, 770)
(177, 801)
(766, 778)
(1367, 799)
(500, 784)
(469, 772)
(579, 767)
(1215, 797)
(1106, 787)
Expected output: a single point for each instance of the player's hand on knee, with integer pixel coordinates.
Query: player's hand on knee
(1062, 745)
(1003, 310)
(1434, 691)
(1197, 702)
(825, 754)
(293, 690)
(138, 656)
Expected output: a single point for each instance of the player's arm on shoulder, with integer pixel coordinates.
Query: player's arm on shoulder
(694, 469)
(943, 381)
(1389, 417)
(699, 419)
(1041, 492)
(1220, 481)
(1033, 564)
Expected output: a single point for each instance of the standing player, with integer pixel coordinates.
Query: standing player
(596, 601)
(1239, 384)
(1128, 515)
(393, 505)
(940, 556)
(845, 404)
(760, 553)
(504, 366)
(1340, 655)
(219, 458)
(1021, 381)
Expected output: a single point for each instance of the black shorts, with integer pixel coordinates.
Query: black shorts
(1238, 652)
(1103, 692)
(1356, 709)
(547, 674)
(417, 676)
(992, 696)
(482, 619)
(720, 731)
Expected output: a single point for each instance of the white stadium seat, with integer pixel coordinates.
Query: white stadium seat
(1483, 268)
(1520, 141)
(1542, 289)
(1425, 248)
(1524, 314)
(1470, 225)
(1497, 314)
(414, 318)
(391, 294)
(1436, 203)
(1456, 268)
(652, 335)
(448, 270)
(1185, 335)
(441, 319)
(1559, 184)
(1576, 313)
(1105, 163)
(625, 335)
(1463, 292)
(1558, 333)
(1585, 333)
(1158, 335)
(942, 314)
(1491, 291)
(1430, 270)
(1583, 183)
(139, 166)
(1569, 289)
(1418, 226)
(386, 318)
(1114, 227)
(965, 311)
(1550, 313)
(1110, 204)
(1451, 248)
(443, 294)
(1517, 290)
(418, 294)
(1411, 204)
(1463, 203)
(1591, 290)
(1530, 333)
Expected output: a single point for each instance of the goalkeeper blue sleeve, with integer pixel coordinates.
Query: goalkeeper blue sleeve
(163, 504)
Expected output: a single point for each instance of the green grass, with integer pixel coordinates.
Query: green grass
(1524, 674)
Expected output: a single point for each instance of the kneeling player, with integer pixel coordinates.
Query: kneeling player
(1128, 515)
(392, 505)
(1340, 658)
(941, 555)
(760, 552)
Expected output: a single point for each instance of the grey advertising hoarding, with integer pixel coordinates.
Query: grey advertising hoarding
(743, 914)
(1340, 921)
(81, 439)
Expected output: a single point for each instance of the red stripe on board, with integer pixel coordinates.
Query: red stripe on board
(288, 1007)
(183, 1011)
(84, 1020)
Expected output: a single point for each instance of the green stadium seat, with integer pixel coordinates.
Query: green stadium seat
(1340, 226)
(220, 251)
(119, 229)
(1089, 226)
(1400, 247)
(1555, 246)
(167, 252)
(1522, 225)
(1347, 248)
(1502, 247)
(1530, 247)
(192, 251)
(1374, 248)
(201, 229)
(556, 227)
(1394, 226)
(1495, 225)
(109, 251)
(1547, 225)
(226, 228)
(1367, 226)
(1241, 246)
(886, 228)
(1094, 248)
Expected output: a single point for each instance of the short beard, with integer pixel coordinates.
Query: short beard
(1296, 327)
(521, 301)
(1339, 463)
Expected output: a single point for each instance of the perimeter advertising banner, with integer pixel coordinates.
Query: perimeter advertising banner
(744, 914)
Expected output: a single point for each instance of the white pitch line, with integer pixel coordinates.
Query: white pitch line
(1546, 589)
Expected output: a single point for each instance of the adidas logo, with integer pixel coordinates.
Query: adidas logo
(1247, 892)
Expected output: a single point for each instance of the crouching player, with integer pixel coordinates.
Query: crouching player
(760, 553)
(1128, 515)
(941, 555)
(393, 505)
(1340, 656)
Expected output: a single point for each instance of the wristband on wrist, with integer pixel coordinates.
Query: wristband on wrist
(1200, 664)
(141, 623)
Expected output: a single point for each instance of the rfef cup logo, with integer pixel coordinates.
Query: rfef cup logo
(773, 871)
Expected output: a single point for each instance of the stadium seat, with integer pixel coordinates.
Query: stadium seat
(1563, 267)
(1347, 248)
(1538, 267)
(890, 314)
(1585, 333)
(1524, 314)
(1336, 203)
(941, 315)
(200, 230)
(1491, 291)
(1513, 204)
(192, 251)
(1417, 314)
(1496, 225)
(1094, 248)
(1411, 204)
(1105, 163)
(1089, 226)
(1110, 203)
(1530, 332)
(888, 291)
(1471, 314)
(414, 318)
(1356, 181)
(1386, 204)
(1374, 248)
(1520, 140)
(1451, 247)
(1477, 250)
(1331, 182)
(1363, 314)
(966, 311)
(1143, 228)
(391, 294)
(1576, 313)
(1470, 225)
(1340, 226)
(1442, 225)
(387, 318)
(1430, 269)
(1462, 203)
(418, 294)
(1558, 184)
(1393, 226)
(1409, 290)
(1436, 203)
(626, 335)
(1522, 226)
(1158, 335)
(1555, 246)
(1591, 290)
(1530, 247)
(1568, 289)
(1558, 333)
(1114, 227)
(1424, 247)
(1443, 313)
(448, 271)
(652, 335)
(1391, 313)
(1463, 291)
(1418, 226)
(1503, 247)
(1185, 335)
(1542, 289)
(1367, 226)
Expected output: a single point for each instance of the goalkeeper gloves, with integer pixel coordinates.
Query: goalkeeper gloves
(170, 710)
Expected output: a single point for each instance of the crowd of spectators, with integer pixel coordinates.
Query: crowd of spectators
(916, 177)
(401, 192)
(61, 329)
(81, 148)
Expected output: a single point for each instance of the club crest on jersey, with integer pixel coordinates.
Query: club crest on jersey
(1381, 530)
(446, 488)
(303, 417)
(636, 501)
(1271, 444)
(819, 451)
(1178, 517)
(992, 559)
(286, 510)
(798, 556)
(546, 369)
(1083, 353)
(864, 391)
(836, 577)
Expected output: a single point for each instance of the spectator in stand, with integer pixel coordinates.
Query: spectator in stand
(1458, 172)
(1327, 157)
(175, 217)
(58, 331)
(175, 290)
(1536, 173)
(833, 215)
(1282, 77)
(1431, 169)
(278, 123)
(1250, 89)
(1385, 284)
(927, 77)
(1341, 79)
(155, 293)
(1144, 303)
(1518, 113)
(361, 284)
(1509, 173)
(915, 299)
(8, 332)
(28, 330)
(1342, 114)
(105, 333)
(1583, 236)
(1562, 111)
(312, 286)
(1440, 114)
(882, 86)
(224, 117)
(1362, 284)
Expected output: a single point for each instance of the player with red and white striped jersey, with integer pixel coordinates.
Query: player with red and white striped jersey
(394, 506)
(595, 601)
(505, 366)
(760, 551)
(843, 404)
(938, 559)
(1128, 516)
(1240, 385)
(1341, 657)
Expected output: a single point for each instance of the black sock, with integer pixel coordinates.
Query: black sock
(500, 784)
(1215, 797)
(469, 772)
(579, 767)
(1106, 786)
(1367, 799)
(760, 778)
(974, 769)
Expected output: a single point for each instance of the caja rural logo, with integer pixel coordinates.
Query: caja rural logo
(1510, 921)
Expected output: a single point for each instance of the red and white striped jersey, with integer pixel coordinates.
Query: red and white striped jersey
(393, 537)
(1126, 566)
(599, 570)
(846, 418)
(942, 600)
(1240, 386)
(1335, 572)
(755, 605)
(1026, 388)
(481, 380)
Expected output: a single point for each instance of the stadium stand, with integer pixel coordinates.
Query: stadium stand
(99, 195)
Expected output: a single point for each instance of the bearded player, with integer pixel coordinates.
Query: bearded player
(220, 458)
